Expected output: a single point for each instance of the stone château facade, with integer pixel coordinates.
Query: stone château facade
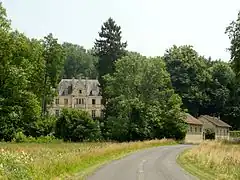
(78, 93)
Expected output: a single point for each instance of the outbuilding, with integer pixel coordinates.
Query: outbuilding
(219, 128)
(195, 130)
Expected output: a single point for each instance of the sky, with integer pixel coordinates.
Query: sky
(149, 26)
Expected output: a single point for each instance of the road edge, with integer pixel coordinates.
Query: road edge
(92, 169)
(192, 169)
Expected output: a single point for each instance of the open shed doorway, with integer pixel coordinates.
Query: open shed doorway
(209, 134)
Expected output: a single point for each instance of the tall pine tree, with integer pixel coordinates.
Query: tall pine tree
(108, 48)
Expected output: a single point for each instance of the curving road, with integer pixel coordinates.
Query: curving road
(151, 164)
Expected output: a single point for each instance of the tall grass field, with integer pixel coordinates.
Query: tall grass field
(62, 160)
(213, 160)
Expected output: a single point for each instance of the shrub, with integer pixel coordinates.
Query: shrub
(235, 134)
(20, 137)
(77, 125)
(43, 127)
(18, 115)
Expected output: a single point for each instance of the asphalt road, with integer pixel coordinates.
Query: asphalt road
(151, 164)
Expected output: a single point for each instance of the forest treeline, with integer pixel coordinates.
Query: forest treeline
(144, 97)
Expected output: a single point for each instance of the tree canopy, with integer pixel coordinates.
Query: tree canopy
(79, 62)
(108, 48)
(141, 103)
(233, 31)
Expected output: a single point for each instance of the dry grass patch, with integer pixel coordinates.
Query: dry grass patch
(213, 160)
(62, 160)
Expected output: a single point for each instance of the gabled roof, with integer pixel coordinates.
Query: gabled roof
(214, 120)
(67, 86)
(192, 120)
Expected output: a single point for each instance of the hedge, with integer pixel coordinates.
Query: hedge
(235, 133)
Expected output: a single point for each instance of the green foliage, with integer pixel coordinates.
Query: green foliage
(144, 97)
(4, 22)
(189, 75)
(206, 87)
(18, 106)
(79, 62)
(235, 134)
(54, 57)
(219, 87)
(233, 31)
(108, 48)
(77, 125)
(44, 126)
(21, 138)
(141, 103)
(23, 64)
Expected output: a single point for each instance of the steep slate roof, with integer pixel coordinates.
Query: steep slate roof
(91, 86)
(215, 121)
(192, 120)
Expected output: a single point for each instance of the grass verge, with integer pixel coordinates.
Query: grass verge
(63, 160)
(212, 160)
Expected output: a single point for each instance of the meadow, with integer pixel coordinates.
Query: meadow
(63, 160)
(213, 160)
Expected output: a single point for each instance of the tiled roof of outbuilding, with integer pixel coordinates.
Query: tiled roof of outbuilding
(192, 120)
(215, 121)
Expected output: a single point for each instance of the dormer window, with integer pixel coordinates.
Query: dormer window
(80, 91)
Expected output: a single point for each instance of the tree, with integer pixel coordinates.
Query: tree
(19, 107)
(233, 31)
(219, 88)
(79, 62)
(189, 76)
(108, 48)
(4, 22)
(141, 102)
(54, 58)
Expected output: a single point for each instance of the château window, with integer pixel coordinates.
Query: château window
(80, 91)
(65, 101)
(93, 113)
(195, 129)
(79, 101)
(93, 101)
(56, 101)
